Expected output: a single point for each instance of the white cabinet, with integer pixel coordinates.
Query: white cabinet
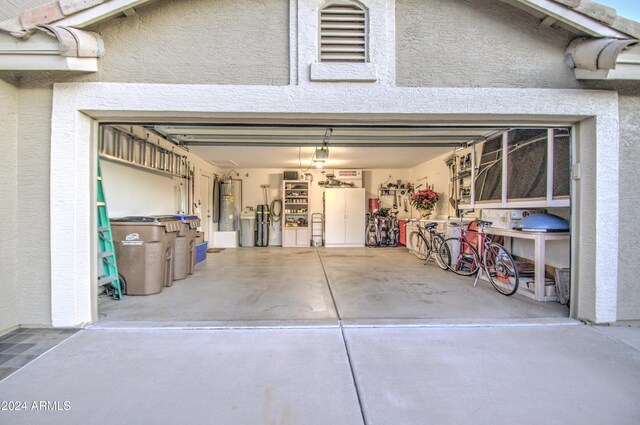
(295, 237)
(345, 211)
(295, 229)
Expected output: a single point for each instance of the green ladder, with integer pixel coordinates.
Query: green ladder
(110, 278)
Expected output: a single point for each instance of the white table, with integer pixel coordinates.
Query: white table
(540, 239)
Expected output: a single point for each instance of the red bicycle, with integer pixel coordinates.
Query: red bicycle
(474, 252)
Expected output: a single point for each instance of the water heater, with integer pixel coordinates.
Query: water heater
(230, 205)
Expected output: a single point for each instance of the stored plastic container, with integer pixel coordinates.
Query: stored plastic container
(184, 261)
(145, 248)
(201, 251)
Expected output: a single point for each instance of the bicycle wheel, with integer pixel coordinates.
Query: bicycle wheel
(442, 259)
(501, 269)
(419, 245)
(464, 257)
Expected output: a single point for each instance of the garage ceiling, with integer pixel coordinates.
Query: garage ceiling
(292, 146)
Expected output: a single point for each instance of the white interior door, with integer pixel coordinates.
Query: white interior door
(205, 205)
(335, 216)
(355, 213)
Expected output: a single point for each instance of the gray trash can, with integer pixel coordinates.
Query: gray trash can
(145, 248)
(248, 228)
(185, 254)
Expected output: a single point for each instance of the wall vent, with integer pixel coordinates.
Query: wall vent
(343, 30)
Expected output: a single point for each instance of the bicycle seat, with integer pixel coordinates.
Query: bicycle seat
(456, 223)
(430, 226)
(482, 223)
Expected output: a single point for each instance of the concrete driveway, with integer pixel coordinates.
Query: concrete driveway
(546, 374)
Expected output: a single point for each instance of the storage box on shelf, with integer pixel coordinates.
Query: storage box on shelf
(295, 228)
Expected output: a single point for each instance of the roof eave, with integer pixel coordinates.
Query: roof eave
(621, 72)
(46, 62)
(101, 12)
(582, 24)
(604, 59)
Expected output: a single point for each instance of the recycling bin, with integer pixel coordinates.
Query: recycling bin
(185, 254)
(145, 249)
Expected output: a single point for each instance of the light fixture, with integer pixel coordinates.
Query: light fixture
(322, 153)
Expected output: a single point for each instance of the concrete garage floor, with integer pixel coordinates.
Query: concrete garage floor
(410, 349)
(288, 286)
(570, 374)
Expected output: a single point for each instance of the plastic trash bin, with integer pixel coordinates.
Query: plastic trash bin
(144, 249)
(185, 254)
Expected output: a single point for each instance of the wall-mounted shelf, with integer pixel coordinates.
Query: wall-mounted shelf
(118, 146)
(295, 227)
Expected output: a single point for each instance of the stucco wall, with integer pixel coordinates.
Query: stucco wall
(9, 99)
(198, 41)
(34, 267)
(628, 286)
(477, 43)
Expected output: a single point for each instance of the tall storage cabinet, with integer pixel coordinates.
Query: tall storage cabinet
(295, 226)
(345, 211)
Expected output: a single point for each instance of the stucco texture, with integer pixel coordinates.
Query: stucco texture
(628, 286)
(477, 43)
(9, 98)
(198, 42)
(34, 267)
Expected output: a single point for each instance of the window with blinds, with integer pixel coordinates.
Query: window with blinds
(343, 29)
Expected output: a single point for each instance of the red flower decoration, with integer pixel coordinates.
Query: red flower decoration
(425, 199)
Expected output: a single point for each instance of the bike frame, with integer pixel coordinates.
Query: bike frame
(482, 243)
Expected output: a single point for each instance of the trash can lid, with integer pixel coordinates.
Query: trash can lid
(543, 223)
(185, 217)
(142, 219)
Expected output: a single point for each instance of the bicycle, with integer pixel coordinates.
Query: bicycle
(496, 262)
(425, 245)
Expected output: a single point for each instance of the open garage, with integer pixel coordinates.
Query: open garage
(356, 265)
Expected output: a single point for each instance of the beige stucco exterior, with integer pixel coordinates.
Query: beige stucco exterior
(442, 43)
(439, 43)
(9, 98)
(34, 265)
(629, 286)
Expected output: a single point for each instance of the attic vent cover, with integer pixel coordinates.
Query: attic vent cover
(343, 33)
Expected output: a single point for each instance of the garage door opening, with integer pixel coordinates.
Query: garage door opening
(223, 172)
